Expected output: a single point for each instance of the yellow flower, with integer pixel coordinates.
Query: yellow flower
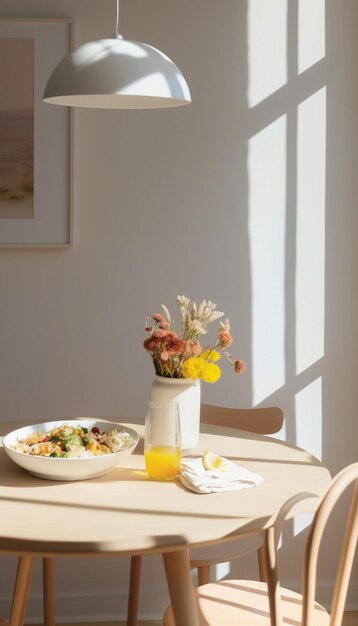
(197, 367)
(210, 355)
(210, 373)
(192, 368)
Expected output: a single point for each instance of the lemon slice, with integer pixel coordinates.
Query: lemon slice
(212, 461)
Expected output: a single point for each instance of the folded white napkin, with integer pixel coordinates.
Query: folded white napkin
(195, 477)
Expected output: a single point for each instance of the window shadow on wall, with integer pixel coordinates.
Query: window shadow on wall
(285, 125)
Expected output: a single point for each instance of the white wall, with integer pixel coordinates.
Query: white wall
(246, 197)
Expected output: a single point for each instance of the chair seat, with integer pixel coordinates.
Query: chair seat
(219, 553)
(233, 602)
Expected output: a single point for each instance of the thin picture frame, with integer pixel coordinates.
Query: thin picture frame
(51, 224)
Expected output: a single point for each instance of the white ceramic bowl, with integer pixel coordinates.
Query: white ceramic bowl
(68, 469)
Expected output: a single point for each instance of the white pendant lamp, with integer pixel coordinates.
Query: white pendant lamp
(117, 74)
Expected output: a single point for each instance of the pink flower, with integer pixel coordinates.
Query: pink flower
(149, 329)
(196, 348)
(150, 344)
(174, 345)
(225, 338)
(160, 334)
(164, 356)
(158, 317)
(239, 366)
(164, 325)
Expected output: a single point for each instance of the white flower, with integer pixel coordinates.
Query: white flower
(167, 315)
(196, 326)
(215, 316)
(201, 308)
(225, 325)
(194, 311)
(183, 301)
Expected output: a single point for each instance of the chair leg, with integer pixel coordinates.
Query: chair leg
(203, 575)
(134, 588)
(21, 590)
(261, 563)
(49, 591)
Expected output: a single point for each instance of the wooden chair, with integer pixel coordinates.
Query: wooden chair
(262, 421)
(21, 592)
(247, 602)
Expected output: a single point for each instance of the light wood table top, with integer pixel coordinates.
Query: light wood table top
(125, 513)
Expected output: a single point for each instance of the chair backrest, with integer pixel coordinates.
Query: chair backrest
(263, 421)
(338, 486)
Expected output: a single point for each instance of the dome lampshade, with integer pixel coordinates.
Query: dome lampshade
(117, 73)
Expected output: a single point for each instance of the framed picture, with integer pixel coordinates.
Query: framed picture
(35, 137)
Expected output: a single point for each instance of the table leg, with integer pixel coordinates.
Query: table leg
(134, 589)
(21, 591)
(273, 585)
(181, 591)
(49, 591)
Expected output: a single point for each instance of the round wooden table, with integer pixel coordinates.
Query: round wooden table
(125, 513)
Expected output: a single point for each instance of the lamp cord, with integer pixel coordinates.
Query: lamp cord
(117, 20)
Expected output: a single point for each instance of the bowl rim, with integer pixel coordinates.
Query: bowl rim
(133, 433)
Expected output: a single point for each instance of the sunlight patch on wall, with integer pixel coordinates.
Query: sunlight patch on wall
(301, 522)
(311, 33)
(267, 48)
(308, 411)
(221, 570)
(310, 235)
(267, 216)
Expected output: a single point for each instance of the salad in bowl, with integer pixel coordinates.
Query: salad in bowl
(70, 449)
(70, 442)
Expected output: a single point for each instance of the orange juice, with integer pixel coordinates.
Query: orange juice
(162, 462)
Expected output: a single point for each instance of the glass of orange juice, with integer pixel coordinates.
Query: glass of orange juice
(162, 448)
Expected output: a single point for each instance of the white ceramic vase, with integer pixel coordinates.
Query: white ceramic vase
(186, 392)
